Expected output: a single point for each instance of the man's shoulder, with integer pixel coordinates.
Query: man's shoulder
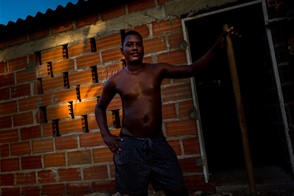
(114, 77)
(116, 74)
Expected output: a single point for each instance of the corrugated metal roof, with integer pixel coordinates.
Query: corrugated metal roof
(38, 14)
(59, 15)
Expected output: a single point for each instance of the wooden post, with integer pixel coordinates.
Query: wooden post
(240, 112)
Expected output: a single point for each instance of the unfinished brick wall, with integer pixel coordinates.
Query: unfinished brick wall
(50, 142)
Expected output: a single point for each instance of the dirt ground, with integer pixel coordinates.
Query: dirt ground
(269, 181)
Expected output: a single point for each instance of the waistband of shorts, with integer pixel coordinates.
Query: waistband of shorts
(142, 138)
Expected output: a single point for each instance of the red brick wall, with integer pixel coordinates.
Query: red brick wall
(40, 156)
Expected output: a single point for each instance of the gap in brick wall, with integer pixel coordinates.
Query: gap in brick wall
(85, 126)
(122, 34)
(93, 44)
(43, 114)
(38, 58)
(78, 93)
(39, 86)
(94, 74)
(55, 128)
(116, 119)
(70, 110)
(123, 61)
(65, 51)
(49, 69)
(66, 80)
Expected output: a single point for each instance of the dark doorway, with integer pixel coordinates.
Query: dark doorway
(215, 95)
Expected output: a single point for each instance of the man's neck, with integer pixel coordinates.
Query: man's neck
(133, 68)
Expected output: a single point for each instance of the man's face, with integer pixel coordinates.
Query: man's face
(133, 49)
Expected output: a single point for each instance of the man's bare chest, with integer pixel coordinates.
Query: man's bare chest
(136, 87)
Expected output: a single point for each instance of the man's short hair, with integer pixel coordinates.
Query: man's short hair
(131, 32)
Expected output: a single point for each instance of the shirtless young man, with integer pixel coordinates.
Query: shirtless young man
(141, 153)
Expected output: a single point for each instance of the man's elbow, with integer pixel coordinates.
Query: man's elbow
(99, 108)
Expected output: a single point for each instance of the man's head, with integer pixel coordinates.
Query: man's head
(132, 47)
(131, 32)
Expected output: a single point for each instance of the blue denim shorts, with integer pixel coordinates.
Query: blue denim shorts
(144, 161)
